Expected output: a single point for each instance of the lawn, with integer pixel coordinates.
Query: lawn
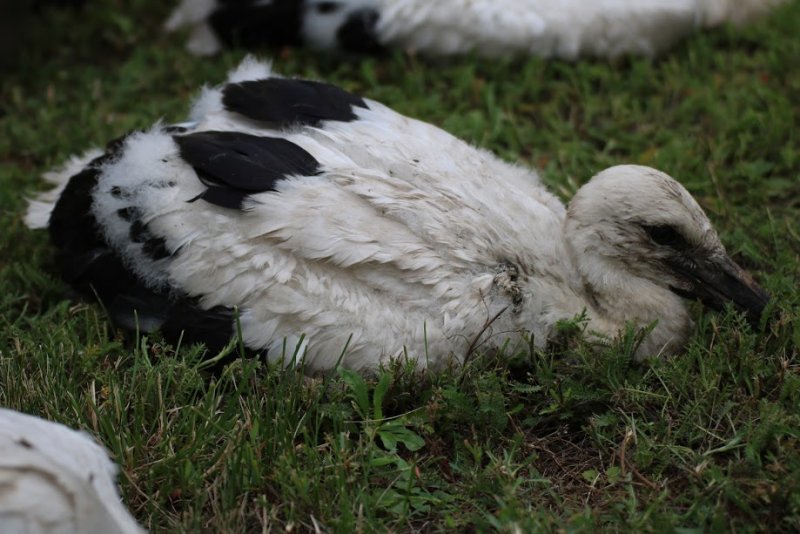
(562, 439)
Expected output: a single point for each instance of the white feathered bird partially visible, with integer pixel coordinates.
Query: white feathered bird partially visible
(549, 28)
(316, 219)
(54, 479)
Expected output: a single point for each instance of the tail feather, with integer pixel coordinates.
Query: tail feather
(41, 206)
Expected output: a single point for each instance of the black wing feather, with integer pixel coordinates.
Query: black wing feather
(94, 269)
(140, 309)
(234, 164)
(284, 102)
(83, 257)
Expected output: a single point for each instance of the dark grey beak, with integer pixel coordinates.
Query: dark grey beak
(719, 281)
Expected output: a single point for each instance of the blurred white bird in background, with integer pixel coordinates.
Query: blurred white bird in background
(565, 29)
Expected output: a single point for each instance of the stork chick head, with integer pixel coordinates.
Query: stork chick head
(635, 232)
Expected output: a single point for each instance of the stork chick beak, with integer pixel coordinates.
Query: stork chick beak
(720, 280)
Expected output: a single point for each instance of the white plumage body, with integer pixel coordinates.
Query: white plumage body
(55, 479)
(390, 248)
(404, 242)
(549, 28)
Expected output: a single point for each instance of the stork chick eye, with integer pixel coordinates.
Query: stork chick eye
(666, 236)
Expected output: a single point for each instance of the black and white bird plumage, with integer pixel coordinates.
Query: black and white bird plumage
(549, 28)
(54, 479)
(327, 220)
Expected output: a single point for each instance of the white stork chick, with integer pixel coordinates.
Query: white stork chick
(55, 479)
(549, 28)
(317, 213)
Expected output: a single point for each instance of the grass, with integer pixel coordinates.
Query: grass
(561, 439)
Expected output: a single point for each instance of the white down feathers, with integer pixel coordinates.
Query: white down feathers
(388, 252)
(393, 250)
(408, 243)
